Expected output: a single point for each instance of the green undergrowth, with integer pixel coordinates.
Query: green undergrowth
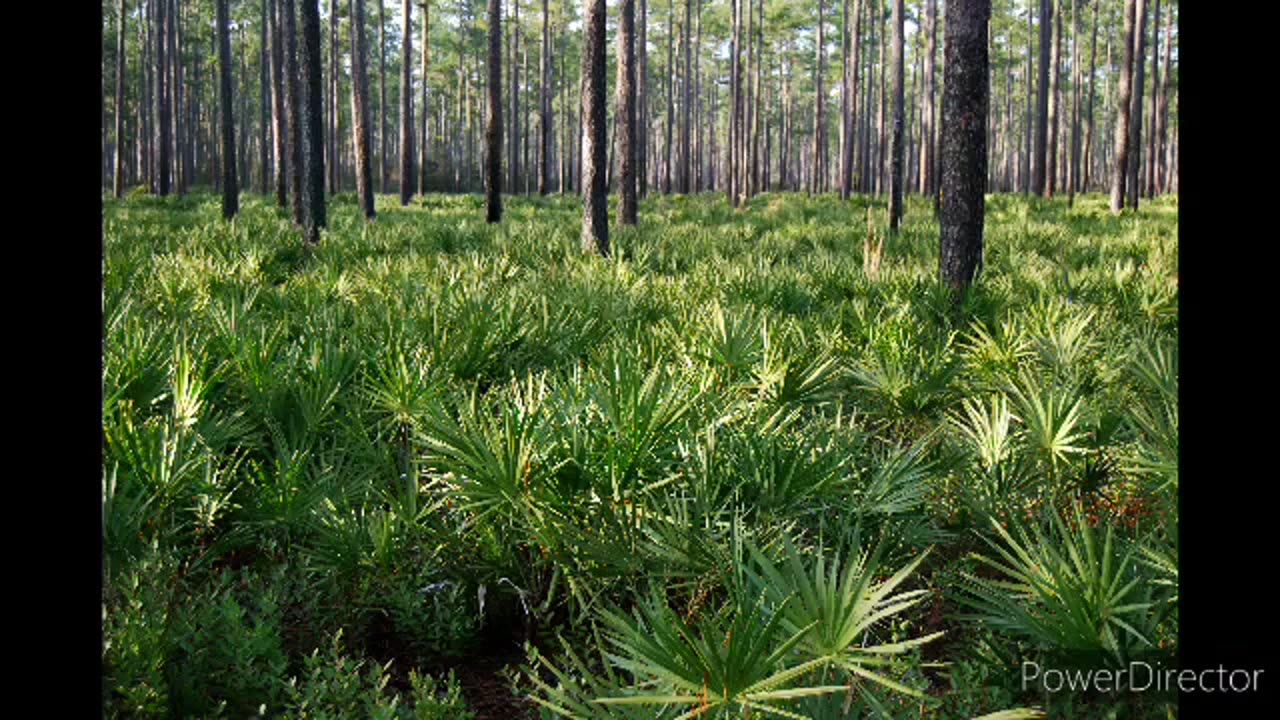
(726, 471)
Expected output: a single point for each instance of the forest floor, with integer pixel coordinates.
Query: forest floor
(429, 439)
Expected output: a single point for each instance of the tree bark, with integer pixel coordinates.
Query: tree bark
(1055, 67)
(595, 217)
(117, 178)
(382, 96)
(294, 108)
(1133, 186)
(642, 100)
(1040, 158)
(815, 183)
(423, 149)
(406, 104)
(545, 130)
(964, 137)
(1163, 146)
(897, 181)
(230, 190)
(1088, 123)
(360, 111)
(1124, 98)
(627, 112)
(313, 126)
(278, 119)
(493, 134)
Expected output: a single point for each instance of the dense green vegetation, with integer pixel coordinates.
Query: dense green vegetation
(734, 469)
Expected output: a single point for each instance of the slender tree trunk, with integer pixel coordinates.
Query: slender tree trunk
(230, 190)
(1073, 178)
(382, 96)
(406, 104)
(1162, 146)
(331, 104)
(163, 90)
(671, 107)
(493, 134)
(845, 114)
(1051, 155)
(360, 110)
(545, 131)
(929, 134)
(1088, 123)
(627, 111)
(753, 162)
(423, 148)
(698, 122)
(595, 216)
(1133, 187)
(1040, 160)
(263, 102)
(897, 181)
(642, 100)
(117, 178)
(313, 218)
(294, 109)
(278, 120)
(964, 136)
(1124, 99)
(815, 181)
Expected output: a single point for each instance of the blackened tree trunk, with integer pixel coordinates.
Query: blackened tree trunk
(278, 121)
(627, 113)
(545, 130)
(1132, 187)
(595, 215)
(1039, 160)
(896, 180)
(360, 110)
(294, 107)
(117, 179)
(230, 190)
(964, 138)
(1124, 92)
(406, 104)
(493, 134)
(313, 216)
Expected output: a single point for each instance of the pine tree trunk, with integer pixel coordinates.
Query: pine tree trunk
(1124, 98)
(545, 130)
(1133, 187)
(423, 149)
(929, 132)
(642, 100)
(230, 190)
(595, 216)
(117, 178)
(896, 180)
(406, 104)
(163, 89)
(1040, 158)
(1162, 146)
(1088, 122)
(493, 131)
(360, 110)
(313, 216)
(626, 104)
(294, 109)
(964, 136)
(278, 120)
(1073, 178)
(382, 96)
(671, 107)
(815, 185)
(1051, 170)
